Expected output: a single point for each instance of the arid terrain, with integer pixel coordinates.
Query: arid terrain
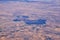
(12, 30)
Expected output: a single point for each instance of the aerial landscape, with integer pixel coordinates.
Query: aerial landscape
(29, 20)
